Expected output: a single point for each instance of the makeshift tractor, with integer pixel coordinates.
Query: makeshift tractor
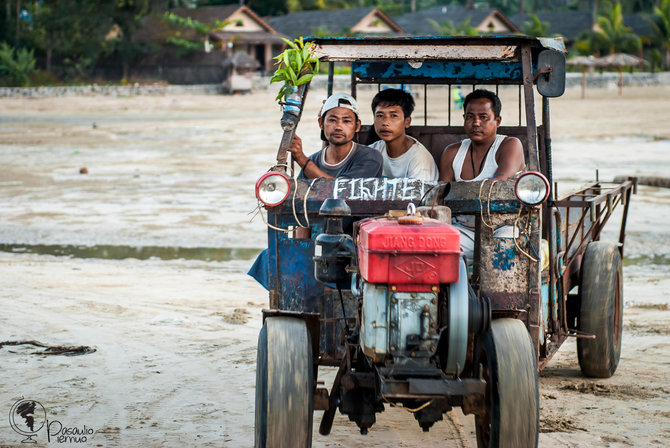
(367, 274)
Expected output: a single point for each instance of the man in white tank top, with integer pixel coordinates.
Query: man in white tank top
(485, 155)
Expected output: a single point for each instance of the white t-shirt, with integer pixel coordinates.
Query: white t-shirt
(416, 163)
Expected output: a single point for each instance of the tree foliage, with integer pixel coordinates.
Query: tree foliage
(189, 34)
(323, 31)
(72, 31)
(447, 28)
(535, 27)
(611, 35)
(16, 66)
(660, 30)
(69, 37)
(507, 7)
(268, 8)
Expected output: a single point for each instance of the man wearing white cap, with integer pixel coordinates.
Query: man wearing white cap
(342, 157)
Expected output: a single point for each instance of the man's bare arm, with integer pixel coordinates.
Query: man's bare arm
(510, 158)
(446, 161)
(308, 167)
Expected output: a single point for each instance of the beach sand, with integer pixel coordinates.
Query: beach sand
(175, 338)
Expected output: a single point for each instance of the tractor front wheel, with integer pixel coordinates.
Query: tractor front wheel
(284, 386)
(505, 359)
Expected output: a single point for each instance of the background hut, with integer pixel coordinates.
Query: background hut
(584, 62)
(237, 72)
(619, 61)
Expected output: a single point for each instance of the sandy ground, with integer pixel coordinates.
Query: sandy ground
(175, 338)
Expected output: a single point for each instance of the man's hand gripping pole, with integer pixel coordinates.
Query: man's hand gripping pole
(292, 108)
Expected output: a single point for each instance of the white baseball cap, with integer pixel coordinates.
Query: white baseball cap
(340, 100)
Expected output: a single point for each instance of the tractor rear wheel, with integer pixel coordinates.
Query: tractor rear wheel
(601, 309)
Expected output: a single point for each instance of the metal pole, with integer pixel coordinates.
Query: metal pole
(531, 129)
(449, 107)
(547, 141)
(331, 69)
(534, 278)
(520, 108)
(425, 104)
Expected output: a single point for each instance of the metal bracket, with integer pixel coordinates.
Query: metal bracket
(542, 71)
(580, 334)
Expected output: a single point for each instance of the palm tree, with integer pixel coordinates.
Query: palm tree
(619, 37)
(535, 28)
(447, 28)
(611, 35)
(660, 29)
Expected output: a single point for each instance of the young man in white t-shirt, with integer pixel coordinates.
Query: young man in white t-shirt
(403, 155)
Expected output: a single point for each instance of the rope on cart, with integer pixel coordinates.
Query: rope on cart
(490, 225)
(279, 229)
(259, 208)
(304, 203)
(516, 244)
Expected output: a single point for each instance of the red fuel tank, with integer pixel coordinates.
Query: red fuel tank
(403, 254)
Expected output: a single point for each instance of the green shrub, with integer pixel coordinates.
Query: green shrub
(42, 78)
(16, 67)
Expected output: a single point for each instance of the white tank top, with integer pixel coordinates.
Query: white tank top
(490, 164)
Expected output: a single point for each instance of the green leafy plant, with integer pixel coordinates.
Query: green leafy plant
(16, 69)
(190, 33)
(295, 66)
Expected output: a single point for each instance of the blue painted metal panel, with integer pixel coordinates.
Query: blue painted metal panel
(504, 258)
(544, 317)
(273, 281)
(291, 275)
(299, 290)
(439, 70)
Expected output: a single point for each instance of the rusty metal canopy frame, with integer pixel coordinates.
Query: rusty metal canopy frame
(427, 48)
(431, 60)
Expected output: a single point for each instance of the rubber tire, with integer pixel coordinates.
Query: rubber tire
(601, 310)
(284, 386)
(512, 417)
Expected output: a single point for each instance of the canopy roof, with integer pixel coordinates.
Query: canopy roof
(429, 48)
(435, 60)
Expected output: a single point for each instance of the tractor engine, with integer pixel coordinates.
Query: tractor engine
(418, 315)
(416, 304)
(404, 262)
